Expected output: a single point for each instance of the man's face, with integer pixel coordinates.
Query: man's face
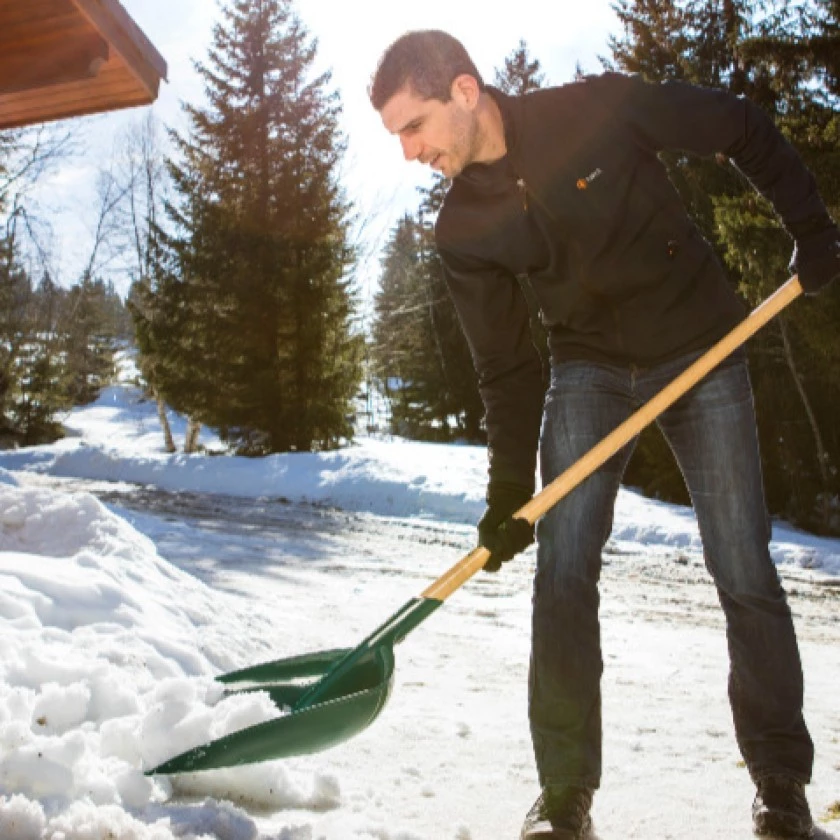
(440, 134)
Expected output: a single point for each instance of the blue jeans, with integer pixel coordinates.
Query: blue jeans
(711, 431)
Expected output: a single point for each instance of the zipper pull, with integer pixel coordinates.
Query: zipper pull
(523, 189)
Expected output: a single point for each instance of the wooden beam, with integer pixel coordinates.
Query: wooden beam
(70, 100)
(112, 21)
(69, 60)
(65, 58)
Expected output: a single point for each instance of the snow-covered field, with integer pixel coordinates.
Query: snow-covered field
(129, 578)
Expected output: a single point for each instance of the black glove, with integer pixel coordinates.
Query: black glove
(816, 258)
(501, 534)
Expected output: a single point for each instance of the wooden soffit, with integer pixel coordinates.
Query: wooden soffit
(65, 58)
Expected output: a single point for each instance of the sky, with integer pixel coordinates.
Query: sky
(351, 36)
(116, 615)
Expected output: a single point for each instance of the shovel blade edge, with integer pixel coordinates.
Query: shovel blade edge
(292, 668)
(304, 731)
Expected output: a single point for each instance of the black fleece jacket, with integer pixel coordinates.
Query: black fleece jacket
(582, 205)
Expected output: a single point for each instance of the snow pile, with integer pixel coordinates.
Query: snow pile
(106, 660)
(409, 479)
(118, 439)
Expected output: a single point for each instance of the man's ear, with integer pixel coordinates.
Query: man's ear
(465, 90)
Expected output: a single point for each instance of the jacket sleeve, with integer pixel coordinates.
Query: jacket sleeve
(680, 116)
(494, 317)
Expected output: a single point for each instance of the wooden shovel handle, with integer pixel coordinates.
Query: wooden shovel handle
(462, 571)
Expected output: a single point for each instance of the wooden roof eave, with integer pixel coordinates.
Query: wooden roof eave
(88, 58)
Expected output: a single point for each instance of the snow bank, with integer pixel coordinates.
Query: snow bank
(118, 439)
(106, 660)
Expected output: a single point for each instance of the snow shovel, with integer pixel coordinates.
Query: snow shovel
(332, 695)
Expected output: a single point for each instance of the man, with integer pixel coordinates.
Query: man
(564, 184)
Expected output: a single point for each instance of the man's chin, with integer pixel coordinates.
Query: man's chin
(444, 165)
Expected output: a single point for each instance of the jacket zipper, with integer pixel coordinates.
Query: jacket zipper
(524, 192)
(528, 194)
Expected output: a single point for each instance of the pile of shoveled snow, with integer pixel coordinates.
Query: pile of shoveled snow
(107, 654)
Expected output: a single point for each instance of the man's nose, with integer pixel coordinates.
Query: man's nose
(410, 147)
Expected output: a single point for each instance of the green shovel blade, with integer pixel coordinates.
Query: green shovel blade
(286, 680)
(308, 730)
(349, 690)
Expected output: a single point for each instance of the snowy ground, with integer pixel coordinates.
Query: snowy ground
(129, 578)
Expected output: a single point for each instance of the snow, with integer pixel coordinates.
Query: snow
(118, 439)
(116, 616)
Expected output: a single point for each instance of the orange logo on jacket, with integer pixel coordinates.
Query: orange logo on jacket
(583, 183)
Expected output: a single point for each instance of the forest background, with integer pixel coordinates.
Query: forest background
(244, 304)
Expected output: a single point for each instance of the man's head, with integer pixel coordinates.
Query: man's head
(428, 60)
(429, 93)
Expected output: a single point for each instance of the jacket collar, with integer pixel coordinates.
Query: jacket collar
(489, 174)
(506, 107)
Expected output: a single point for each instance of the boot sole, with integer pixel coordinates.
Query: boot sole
(586, 833)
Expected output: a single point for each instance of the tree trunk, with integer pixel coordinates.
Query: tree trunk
(191, 441)
(822, 455)
(168, 440)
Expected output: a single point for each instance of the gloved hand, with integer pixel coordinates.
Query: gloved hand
(816, 258)
(498, 531)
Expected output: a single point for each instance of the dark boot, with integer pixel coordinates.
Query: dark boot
(781, 810)
(559, 814)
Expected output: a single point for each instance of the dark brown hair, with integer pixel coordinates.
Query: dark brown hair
(429, 60)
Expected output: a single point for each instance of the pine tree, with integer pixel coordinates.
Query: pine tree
(801, 357)
(420, 356)
(520, 74)
(39, 396)
(398, 332)
(824, 44)
(15, 302)
(458, 398)
(770, 54)
(145, 179)
(653, 43)
(273, 360)
(32, 365)
(87, 342)
(163, 326)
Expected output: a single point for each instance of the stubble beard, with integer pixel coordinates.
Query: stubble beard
(466, 143)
